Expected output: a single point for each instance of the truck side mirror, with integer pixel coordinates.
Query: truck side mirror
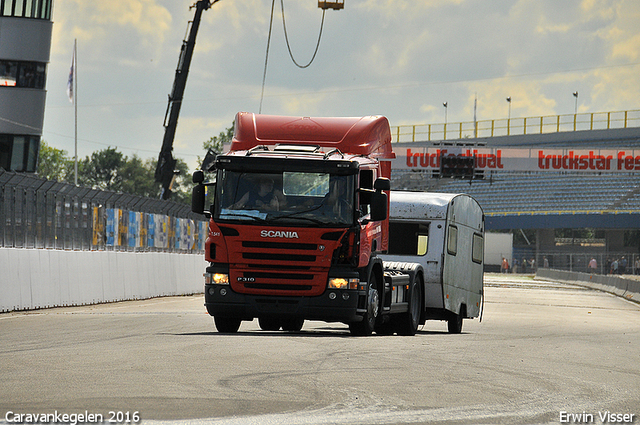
(198, 198)
(379, 200)
(382, 183)
(198, 193)
(198, 176)
(379, 206)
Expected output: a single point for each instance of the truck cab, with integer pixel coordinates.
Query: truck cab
(298, 218)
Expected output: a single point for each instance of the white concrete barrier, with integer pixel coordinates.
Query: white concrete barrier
(40, 278)
(617, 285)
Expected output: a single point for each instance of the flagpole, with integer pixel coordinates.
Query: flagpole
(75, 104)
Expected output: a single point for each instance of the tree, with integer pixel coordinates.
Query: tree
(216, 143)
(138, 177)
(54, 164)
(103, 170)
(109, 169)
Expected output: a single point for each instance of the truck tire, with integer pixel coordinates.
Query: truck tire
(269, 323)
(408, 322)
(227, 325)
(368, 323)
(293, 324)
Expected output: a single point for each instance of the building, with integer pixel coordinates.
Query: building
(25, 44)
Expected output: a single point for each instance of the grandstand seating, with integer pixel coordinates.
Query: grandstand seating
(509, 193)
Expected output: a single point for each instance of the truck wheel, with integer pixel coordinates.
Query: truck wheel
(368, 323)
(408, 322)
(292, 324)
(227, 325)
(455, 323)
(269, 323)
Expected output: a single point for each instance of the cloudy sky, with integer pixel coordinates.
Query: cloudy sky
(398, 58)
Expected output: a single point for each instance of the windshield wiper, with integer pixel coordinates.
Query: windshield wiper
(293, 215)
(240, 214)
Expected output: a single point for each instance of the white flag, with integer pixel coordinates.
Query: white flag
(71, 74)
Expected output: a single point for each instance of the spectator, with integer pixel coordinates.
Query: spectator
(545, 263)
(614, 266)
(637, 265)
(533, 265)
(593, 265)
(505, 265)
(622, 266)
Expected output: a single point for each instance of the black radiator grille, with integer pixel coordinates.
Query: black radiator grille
(280, 245)
(277, 257)
(274, 275)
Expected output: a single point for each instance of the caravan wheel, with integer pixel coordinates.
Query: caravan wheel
(455, 323)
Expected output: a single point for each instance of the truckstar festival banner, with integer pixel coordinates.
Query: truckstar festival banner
(517, 159)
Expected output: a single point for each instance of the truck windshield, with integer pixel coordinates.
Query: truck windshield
(287, 198)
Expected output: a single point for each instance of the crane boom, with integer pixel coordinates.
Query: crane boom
(166, 163)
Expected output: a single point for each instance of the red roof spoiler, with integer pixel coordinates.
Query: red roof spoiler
(370, 136)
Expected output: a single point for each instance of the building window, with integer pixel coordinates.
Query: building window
(19, 153)
(37, 9)
(30, 75)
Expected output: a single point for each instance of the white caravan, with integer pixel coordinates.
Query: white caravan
(445, 234)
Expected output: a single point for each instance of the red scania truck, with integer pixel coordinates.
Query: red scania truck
(299, 216)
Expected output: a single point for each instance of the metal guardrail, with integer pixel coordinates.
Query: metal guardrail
(516, 126)
(39, 213)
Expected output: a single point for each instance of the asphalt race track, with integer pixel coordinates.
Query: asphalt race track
(542, 353)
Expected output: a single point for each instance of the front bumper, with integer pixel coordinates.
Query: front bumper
(332, 306)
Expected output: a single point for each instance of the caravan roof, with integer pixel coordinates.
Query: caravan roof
(423, 205)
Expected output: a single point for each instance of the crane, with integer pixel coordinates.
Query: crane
(165, 173)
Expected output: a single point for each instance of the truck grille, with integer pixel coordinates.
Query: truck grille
(277, 257)
(280, 245)
(287, 267)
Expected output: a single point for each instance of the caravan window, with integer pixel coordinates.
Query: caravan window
(408, 238)
(477, 253)
(452, 242)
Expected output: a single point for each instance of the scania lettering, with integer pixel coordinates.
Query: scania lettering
(298, 223)
(278, 234)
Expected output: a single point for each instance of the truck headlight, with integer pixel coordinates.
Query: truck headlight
(216, 279)
(343, 283)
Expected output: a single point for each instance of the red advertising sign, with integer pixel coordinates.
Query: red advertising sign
(413, 156)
